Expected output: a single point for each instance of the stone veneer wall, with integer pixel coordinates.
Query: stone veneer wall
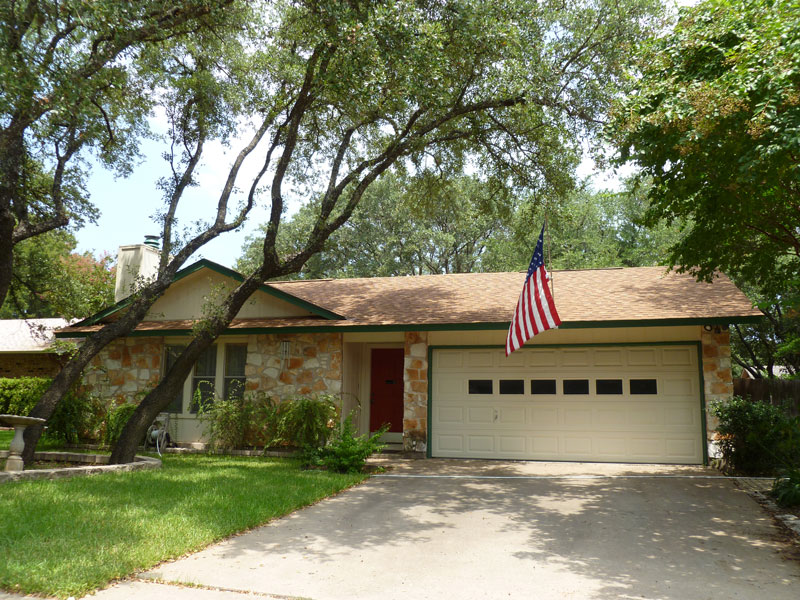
(314, 364)
(716, 372)
(415, 392)
(125, 367)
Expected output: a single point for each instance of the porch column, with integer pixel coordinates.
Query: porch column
(716, 372)
(415, 392)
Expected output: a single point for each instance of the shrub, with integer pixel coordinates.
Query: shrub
(19, 395)
(246, 421)
(752, 435)
(77, 418)
(116, 420)
(307, 421)
(347, 452)
(786, 488)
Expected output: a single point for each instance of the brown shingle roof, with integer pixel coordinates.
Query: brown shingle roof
(639, 293)
(587, 296)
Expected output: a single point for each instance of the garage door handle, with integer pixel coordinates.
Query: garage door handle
(495, 413)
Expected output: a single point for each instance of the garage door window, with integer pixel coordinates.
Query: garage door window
(573, 387)
(608, 386)
(644, 386)
(480, 386)
(543, 386)
(512, 386)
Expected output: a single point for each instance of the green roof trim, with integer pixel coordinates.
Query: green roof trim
(496, 326)
(204, 263)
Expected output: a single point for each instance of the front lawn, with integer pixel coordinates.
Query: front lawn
(67, 537)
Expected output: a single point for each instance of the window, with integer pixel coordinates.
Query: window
(576, 386)
(608, 386)
(218, 372)
(543, 386)
(480, 386)
(512, 386)
(235, 359)
(203, 378)
(644, 386)
(170, 356)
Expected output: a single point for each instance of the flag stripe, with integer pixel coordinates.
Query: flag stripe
(536, 310)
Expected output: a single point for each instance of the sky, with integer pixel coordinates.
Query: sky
(127, 204)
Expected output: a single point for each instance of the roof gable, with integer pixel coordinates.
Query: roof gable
(185, 297)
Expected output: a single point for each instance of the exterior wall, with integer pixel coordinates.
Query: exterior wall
(314, 364)
(415, 393)
(29, 364)
(716, 372)
(186, 297)
(126, 367)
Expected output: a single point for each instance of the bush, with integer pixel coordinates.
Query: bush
(348, 453)
(19, 395)
(752, 436)
(307, 421)
(116, 420)
(77, 418)
(786, 488)
(247, 421)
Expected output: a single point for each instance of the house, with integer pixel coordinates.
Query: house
(628, 377)
(26, 347)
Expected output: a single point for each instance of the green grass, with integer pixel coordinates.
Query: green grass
(67, 537)
(6, 435)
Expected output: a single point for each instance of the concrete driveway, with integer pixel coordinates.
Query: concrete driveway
(480, 529)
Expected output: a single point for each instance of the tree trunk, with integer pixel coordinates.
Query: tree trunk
(157, 400)
(6, 252)
(71, 372)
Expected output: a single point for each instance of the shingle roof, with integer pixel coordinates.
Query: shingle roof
(582, 297)
(28, 335)
(639, 293)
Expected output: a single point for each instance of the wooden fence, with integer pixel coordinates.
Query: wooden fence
(778, 392)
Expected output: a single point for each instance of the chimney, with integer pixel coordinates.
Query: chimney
(136, 265)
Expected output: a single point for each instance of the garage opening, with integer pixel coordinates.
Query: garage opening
(604, 404)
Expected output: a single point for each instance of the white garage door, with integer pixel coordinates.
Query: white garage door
(606, 404)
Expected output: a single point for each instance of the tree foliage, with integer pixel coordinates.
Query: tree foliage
(52, 280)
(410, 227)
(401, 227)
(73, 84)
(714, 122)
(586, 229)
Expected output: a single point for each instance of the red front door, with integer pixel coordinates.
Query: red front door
(386, 389)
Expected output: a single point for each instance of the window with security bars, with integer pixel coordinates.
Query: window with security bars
(235, 360)
(171, 354)
(203, 378)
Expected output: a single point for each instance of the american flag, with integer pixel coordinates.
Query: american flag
(536, 310)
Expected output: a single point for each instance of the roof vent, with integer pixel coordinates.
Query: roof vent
(152, 241)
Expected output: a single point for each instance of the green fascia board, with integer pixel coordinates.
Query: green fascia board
(204, 263)
(497, 326)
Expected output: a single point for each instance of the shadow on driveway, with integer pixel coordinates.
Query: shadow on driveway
(597, 538)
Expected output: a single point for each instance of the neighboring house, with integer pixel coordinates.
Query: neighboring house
(26, 347)
(627, 378)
